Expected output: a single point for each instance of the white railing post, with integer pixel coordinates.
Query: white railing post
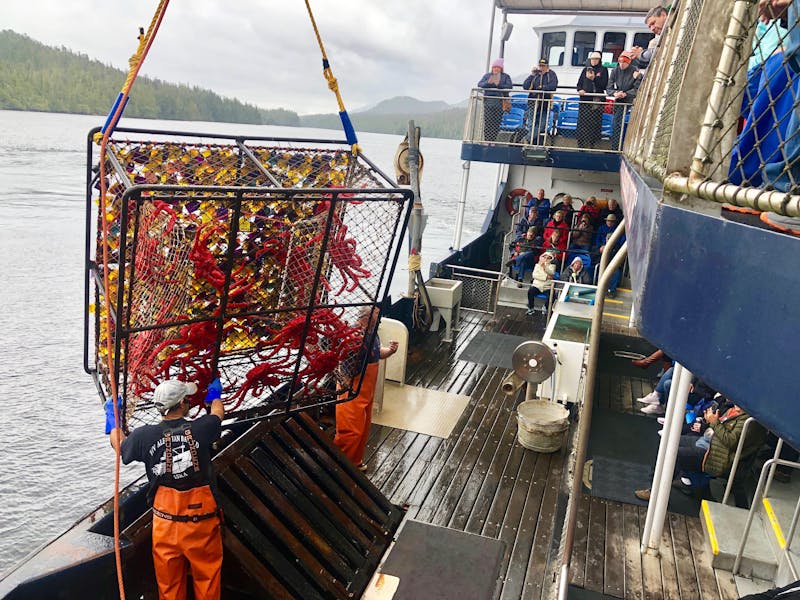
(462, 205)
(736, 458)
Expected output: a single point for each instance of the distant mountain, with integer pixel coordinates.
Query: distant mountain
(400, 105)
(42, 78)
(436, 118)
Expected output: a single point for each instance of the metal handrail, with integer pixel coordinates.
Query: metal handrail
(586, 414)
(753, 507)
(736, 458)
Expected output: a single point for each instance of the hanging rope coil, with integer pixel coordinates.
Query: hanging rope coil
(333, 85)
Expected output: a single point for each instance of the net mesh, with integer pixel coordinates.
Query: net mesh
(752, 136)
(256, 262)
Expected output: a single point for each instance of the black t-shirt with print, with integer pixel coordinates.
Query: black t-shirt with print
(147, 444)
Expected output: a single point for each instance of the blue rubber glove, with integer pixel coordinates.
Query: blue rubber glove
(214, 391)
(109, 406)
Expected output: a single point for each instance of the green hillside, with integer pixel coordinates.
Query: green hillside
(41, 78)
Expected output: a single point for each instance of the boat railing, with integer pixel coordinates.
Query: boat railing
(479, 287)
(745, 149)
(736, 458)
(564, 120)
(761, 490)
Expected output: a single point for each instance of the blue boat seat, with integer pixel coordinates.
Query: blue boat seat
(513, 120)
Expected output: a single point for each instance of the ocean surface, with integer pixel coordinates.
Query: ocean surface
(55, 462)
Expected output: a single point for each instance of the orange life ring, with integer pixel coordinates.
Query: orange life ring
(511, 208)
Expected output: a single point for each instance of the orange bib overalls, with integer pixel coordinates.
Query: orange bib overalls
(353, 418)
(186, 533)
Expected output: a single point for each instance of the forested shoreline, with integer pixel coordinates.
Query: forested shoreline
(40, 78)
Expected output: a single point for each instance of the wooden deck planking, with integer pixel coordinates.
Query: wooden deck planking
(482, 481)
(684, 561)
(709, 589)
(669, 572)
(577, 567)
(634, 588)
(614, 577)
(651, 568)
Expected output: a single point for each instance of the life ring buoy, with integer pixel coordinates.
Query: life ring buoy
(511, 207)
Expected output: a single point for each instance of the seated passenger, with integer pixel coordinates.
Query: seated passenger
(583, 234)
(557, 222)
(717, 459)
(556, 244)
(611, 208)
(576, 272)
(591, 208)
(603, 234)
(543, 273)
(526, 221)
(524, 254)
(565, 205)
(542, 205)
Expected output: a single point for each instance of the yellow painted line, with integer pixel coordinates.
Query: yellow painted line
(773, 520)
(616, 316)
(712, 534)
(613, 301)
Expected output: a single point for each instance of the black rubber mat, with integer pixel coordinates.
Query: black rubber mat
(618, 479)
(623, 436)
(493, 349)
(437, 562)
(576, 593)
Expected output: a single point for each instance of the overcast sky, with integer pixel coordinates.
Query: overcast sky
(264, 52)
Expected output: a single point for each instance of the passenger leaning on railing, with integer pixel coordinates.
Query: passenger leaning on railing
(593, 80)
(656, 19)
(542, 82)
(623, 84)
(494, 81)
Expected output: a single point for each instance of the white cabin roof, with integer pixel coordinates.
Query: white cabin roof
(574, 6)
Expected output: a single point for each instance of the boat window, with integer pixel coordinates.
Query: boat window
(581, 46)
(553, 45)
(613, 43)
(642, 39)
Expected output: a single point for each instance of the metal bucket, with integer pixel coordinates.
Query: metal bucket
(541, 425)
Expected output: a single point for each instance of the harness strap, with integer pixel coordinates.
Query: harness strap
(185, 518)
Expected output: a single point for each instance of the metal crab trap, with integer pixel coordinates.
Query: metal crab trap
(250, 258)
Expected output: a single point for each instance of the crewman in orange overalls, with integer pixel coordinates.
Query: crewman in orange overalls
(353, 418)
(186, 519)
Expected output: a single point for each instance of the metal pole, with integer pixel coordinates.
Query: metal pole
(778, 449)
(735, 39)
(415, 223)
(491, 39)
(610, 243)
(462, 204)
(586, 418)
(669, 428)
(671, 454)
(736, 457)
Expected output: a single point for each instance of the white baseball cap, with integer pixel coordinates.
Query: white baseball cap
(171, 392)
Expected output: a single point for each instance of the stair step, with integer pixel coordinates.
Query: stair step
(724, 526)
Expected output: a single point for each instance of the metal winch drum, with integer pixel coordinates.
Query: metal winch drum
(541, 423)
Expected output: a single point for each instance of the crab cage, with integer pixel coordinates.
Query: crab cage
(255, 259)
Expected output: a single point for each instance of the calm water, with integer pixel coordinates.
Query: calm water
(55, 463)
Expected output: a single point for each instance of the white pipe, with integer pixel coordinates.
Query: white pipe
(778, 449)
(491, 39)
(737, 27)
(462, 204)
(669, 427)
(677, 410)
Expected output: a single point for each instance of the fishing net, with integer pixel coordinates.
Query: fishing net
(252, 259)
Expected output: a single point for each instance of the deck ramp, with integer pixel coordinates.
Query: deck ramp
(301, 521)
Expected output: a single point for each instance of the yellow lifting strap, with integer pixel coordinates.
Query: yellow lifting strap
(333, 85)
